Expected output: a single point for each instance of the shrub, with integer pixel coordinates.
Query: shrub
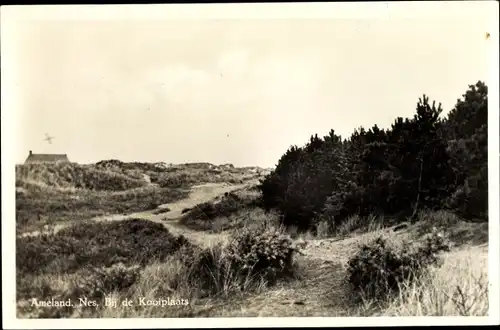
(251, 256)
(202, 215)
(458, 288)
(378, 269)
(471, 199)
(97, 282)
(263, 251)
(229, 204)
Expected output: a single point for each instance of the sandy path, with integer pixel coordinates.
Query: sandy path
(199, 194)
(320, 292)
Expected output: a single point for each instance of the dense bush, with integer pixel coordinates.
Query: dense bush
(424, 162)
(265, 251)
(229, 204)
(257, 253)
(96, 282)
(134, 241)
(378, 269)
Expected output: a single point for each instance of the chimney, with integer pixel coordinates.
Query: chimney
(31, 153)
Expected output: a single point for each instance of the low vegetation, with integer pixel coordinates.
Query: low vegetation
(459, 287)
(68, 192)
(258, 256)
(182, 178)
(99, 260)
(187, 175)
(96, 244)
(386, 220)
(75, 176)
(220, 214)
(379, 269)
(36, 208)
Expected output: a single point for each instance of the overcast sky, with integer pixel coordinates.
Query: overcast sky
(235, 91)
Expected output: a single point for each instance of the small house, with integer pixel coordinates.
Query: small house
(46, 158)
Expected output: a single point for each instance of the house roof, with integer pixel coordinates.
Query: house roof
(47, 158)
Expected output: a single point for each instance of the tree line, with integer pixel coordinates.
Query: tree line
(426, 162)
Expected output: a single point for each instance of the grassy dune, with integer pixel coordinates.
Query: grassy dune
(35, 209)
(256, 268)
(179, 176)
(67, 192)
(133, 258)
(69, 175)
(457, 287)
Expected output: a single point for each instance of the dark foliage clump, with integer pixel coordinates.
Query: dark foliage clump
(96, 282)
(134, 241)
(161, 210)
(210, 210)
(265, 251)
(251, 254)
(228, 205)
(379, 269)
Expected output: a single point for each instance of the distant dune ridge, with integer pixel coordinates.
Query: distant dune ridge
(64, 191)
(117, 175)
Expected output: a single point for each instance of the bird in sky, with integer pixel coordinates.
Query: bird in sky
(48, 138)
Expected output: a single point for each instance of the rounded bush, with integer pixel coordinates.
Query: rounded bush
(378, 268)
(263, 251)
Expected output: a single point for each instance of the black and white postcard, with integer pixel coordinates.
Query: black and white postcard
(272, 164)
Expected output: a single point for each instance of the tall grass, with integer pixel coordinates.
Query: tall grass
(458, 288)
(180, 280)
(357, 224)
